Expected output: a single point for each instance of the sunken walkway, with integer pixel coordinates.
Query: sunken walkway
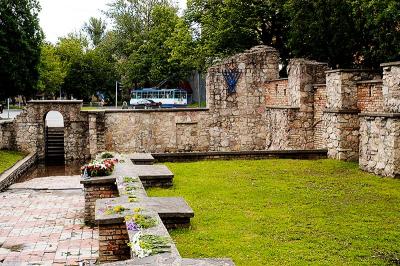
(41, 223)
(110, 200)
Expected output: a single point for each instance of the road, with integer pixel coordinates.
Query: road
(13, 114)
(53, 118)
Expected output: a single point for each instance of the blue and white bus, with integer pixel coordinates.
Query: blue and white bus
(167, 97)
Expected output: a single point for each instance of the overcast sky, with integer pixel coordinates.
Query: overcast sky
(60, 17)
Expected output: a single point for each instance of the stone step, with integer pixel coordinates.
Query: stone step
(141, 158)
(154, 175)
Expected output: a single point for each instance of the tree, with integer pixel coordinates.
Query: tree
(88, 71)
(231, 26)
(324, 31)
(20, 42)
(51, 71)
(379, 25)
(95, 29)
(140, 37)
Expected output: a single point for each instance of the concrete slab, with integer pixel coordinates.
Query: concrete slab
(153, 172)
(154, 175)
(141, 158)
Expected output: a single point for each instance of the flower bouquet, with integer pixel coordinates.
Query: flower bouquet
(99, 167)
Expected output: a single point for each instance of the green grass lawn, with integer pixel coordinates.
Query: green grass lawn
(8, 159)
(287, 212)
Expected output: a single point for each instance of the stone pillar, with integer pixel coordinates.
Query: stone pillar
(92, 135)
(391, 87)
(95, 189)
(341, 116)
(303, 74)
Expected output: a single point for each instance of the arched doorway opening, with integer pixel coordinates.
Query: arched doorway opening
(54, 138)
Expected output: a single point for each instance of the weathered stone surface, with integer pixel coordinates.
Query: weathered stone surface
(391, 87)
(380, 145)
(312, 109)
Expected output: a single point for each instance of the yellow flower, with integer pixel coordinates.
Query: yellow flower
(118, 209)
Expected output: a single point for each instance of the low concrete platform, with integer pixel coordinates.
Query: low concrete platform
(141, 158)
(173, 211)
(154, 175)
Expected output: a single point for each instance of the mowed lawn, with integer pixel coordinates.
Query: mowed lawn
(8, 159)
(284, 212)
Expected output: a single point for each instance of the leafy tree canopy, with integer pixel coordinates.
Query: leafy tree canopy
(51, 71)
(344, 33)
(20, 47)
(141, 42)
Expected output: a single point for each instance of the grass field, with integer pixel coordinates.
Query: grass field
(280, 212)
(8, 159)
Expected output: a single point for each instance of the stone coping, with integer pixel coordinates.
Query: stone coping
(192, 156)
(273, 80)
(160, 110)
(369, 81)
(319, 85)
(397, 63)
(281, 107)
(55, 101)
(349, 70)
(141, 158)
(153, 172)
(98, 180)
(342, 111)
(11, 175)
(388, 115)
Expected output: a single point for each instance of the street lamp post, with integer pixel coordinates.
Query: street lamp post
(116, 94)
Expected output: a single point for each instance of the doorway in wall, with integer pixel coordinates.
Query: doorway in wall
(54, 138)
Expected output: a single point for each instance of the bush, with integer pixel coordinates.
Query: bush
(107, 155)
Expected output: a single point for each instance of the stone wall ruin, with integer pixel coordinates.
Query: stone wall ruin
(354, 114)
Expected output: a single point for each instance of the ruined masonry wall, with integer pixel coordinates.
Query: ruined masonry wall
(380, 123)
(380, 145)
(353, 113)
(7, 136)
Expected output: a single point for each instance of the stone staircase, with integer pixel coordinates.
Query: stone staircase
(54, 145)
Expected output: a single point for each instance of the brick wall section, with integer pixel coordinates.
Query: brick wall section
(94, 192)
(277, 93)
(370, 96)
(113, 241)
(319, 107)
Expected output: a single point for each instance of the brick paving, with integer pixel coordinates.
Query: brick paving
(44, 225)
